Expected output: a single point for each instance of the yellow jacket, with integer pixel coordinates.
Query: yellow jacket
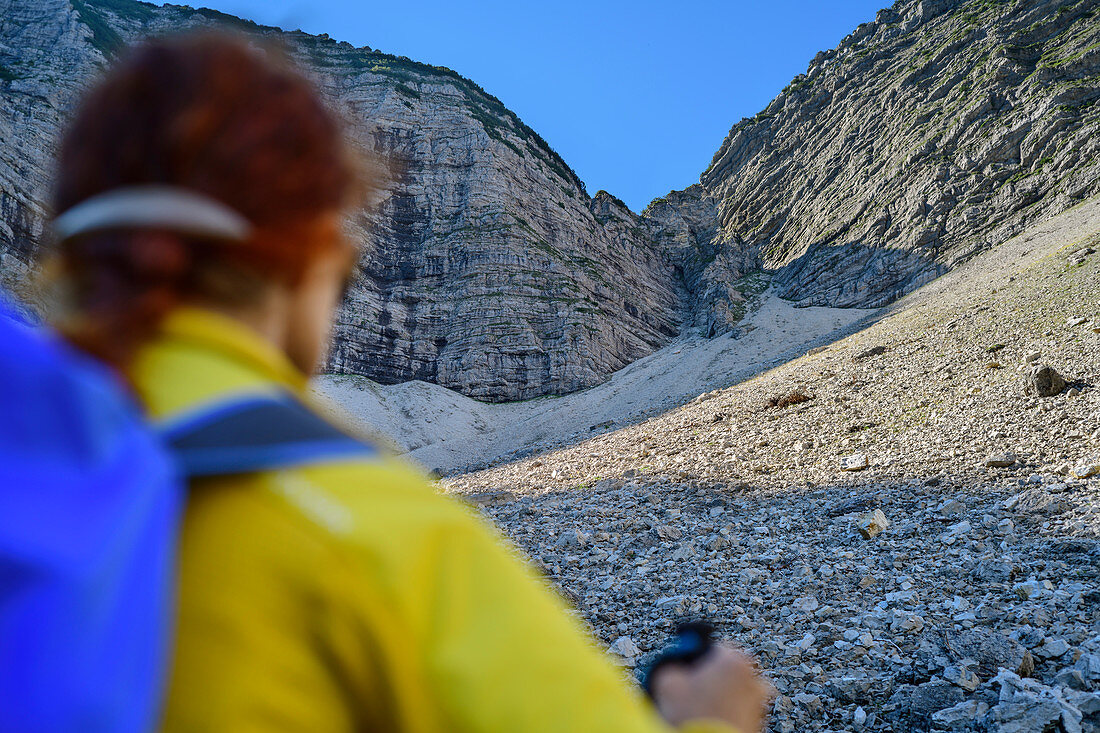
(349, 595)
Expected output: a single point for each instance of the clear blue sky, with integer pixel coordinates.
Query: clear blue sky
(635, 95)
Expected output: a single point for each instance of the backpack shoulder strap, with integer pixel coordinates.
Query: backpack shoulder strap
(259, 432)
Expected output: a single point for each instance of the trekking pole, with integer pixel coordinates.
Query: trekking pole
(692, 640)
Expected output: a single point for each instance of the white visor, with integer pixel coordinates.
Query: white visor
(153, 207)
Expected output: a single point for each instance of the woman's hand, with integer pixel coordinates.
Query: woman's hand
(723, 685)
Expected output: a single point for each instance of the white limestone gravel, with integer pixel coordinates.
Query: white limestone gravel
(977, 609)
(450, 433)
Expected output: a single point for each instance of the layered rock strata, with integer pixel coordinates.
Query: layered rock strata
(936, 131)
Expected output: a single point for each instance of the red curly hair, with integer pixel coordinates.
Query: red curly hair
(215, 115)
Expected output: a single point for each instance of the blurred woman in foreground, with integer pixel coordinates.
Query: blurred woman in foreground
(323, 584)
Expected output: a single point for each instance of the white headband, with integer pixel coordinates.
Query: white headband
(153, 207)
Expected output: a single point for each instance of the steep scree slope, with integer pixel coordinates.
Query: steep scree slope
(738, 512)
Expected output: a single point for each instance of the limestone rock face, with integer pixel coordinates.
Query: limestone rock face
(491, 270)
(487, 267)
(712, 267)
(936, 131)
(45, 52)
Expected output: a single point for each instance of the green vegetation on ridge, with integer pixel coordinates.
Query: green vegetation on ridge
(104, 37)
(497, 119)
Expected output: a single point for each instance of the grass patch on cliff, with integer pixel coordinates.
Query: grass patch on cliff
(97, 16)
(535, 241)
(801, 81)
(523, 223)
(754, 283)
(594, 268)
(133, 9)
(6, 74)
(1065, 60)
(231, 20)
(1057, 46)
(407, 90)
(1021, 175)
(984, 6)
(544, 246)
(614, 199)
(493, 125)
(104, 37)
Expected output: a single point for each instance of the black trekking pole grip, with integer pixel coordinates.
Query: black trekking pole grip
(691, 642)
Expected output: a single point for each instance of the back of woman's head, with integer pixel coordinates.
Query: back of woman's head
(215, 116)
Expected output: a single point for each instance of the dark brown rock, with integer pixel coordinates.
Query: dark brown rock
(1045, 381)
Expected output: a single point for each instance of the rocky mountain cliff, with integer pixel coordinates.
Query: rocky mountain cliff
(490, 268)
(931, 133)
(938, 130)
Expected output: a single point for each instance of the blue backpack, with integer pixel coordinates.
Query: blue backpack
(90, 506)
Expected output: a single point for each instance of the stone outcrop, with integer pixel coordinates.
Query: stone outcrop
(712, 268)
(936, 131)
(932, 133)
